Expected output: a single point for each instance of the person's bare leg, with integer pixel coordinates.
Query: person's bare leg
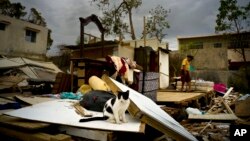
(182, 85)
(189, 87)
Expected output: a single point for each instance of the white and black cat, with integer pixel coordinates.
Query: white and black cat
(114, 109)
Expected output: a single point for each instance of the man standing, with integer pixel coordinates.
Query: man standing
(185, 72)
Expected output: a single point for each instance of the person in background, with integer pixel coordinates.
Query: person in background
(185, 72)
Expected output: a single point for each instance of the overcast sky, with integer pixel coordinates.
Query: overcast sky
(187, 17)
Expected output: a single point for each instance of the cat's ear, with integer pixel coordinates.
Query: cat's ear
(127, 91)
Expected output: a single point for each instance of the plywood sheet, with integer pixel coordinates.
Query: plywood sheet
(61, 112)
(177, 97)
(153, 115)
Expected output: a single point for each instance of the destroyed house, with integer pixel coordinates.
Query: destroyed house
(94, 50)
(20, 38)
(215, 55)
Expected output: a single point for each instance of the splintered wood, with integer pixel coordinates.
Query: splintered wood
(208, 130)
(218, 105)
(80, 110)
(221, 109)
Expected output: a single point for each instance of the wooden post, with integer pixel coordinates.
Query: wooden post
(102, 44)
(144, 31)
(72, 74)
(81, 37)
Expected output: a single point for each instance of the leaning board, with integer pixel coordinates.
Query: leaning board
(61, 112)
(152, 114)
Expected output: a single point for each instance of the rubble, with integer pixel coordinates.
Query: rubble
(211, 124)
(15, 72)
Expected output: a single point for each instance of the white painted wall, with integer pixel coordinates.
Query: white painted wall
(13, 41)
(164, 69)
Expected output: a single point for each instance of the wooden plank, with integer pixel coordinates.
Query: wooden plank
(86, 133)
(22, 123)
(112, 86)
(227, 107)
(213, 117)
(37, 136)
(228, 92)
(178, 97)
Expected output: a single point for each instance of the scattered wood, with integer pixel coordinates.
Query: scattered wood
(218, 105)
(207, 131)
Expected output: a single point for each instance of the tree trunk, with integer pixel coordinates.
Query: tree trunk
(245, 66)
(131, 24)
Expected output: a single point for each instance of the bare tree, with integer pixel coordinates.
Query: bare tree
(157, 22)
(114, 15)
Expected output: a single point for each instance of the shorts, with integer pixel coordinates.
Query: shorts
(185, 77)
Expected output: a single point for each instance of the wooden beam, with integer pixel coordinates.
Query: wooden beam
(22, 123)
(89, 134)
(227, 107)
(228, 92)
(26, 136)
(213, 117)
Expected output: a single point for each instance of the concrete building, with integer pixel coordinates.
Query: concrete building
(20, 38)
(213, 55)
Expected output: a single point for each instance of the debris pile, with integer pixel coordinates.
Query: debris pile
(217, 103)
(214, 120)
(17, 72)
(208, 131)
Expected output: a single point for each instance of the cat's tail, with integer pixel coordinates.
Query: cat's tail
(93, 119)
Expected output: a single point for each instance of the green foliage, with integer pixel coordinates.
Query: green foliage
(232, 17)
(236, 19)
(36, 17)
(157, 22)
(50, 40)
(15, 10)
(114, 16)
(113, 22)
